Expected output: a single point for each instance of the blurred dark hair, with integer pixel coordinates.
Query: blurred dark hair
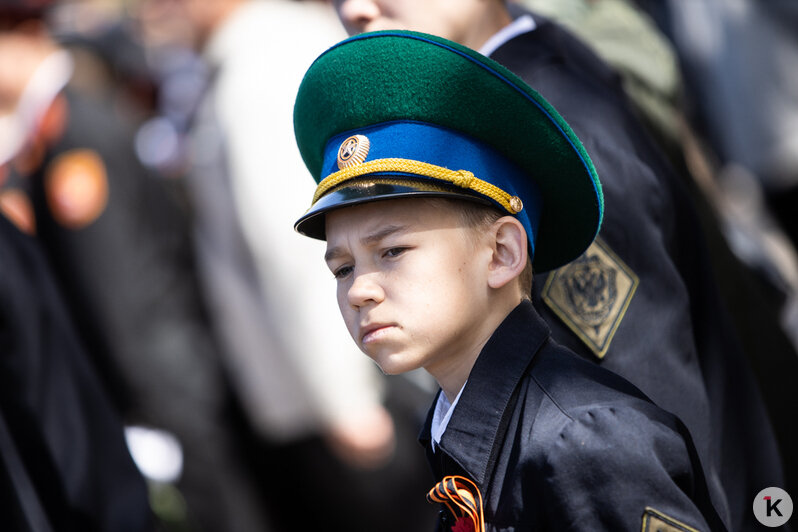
(13, 12)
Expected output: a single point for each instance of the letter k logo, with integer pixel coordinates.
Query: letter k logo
(772, 507)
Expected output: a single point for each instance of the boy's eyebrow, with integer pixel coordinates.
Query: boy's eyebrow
(386, 231)
(367, 240)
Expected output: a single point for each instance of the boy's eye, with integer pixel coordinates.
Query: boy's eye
(342, 272)
(394, 252)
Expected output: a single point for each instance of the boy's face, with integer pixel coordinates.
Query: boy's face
(412, 283)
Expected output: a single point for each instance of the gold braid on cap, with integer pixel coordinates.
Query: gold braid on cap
(460, 178)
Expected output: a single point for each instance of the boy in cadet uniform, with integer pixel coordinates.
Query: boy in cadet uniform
(443, 180)
(643, 301)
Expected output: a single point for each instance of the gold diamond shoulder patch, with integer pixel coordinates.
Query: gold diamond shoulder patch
(591, 295)
(654, 521)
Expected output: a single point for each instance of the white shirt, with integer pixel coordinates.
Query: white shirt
(521, 25)
(443, 413)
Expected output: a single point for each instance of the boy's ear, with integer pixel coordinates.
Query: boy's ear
(509, 251)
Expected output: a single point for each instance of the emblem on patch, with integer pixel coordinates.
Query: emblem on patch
(591, 295)
(654, 521)
(76, 188)
(353, 151)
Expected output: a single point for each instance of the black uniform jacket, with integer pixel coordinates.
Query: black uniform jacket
(674, 341)
(557, 443)
(128, 276)
(64, 465)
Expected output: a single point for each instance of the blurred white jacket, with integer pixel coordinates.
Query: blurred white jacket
(294, 366)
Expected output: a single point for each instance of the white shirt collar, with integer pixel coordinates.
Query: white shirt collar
(442, 415)
(522, 24)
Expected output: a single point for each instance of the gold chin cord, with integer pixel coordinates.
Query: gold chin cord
(463, 499)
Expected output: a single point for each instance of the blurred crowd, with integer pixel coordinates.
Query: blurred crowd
(171, 353)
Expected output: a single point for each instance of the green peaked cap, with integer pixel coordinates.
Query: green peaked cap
(388, 76)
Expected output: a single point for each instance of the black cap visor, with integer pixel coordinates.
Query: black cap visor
(312, 223)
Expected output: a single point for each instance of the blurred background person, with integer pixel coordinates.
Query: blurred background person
(686, 67)
(334, 429)
(648, 281)
(266, 414)
(121, 254)
(740, 99)
(64, 464)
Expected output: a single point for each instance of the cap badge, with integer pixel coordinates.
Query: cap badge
(353, 151)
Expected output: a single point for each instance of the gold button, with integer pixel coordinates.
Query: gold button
(516, 204)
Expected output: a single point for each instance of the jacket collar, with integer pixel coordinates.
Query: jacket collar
(480, 418)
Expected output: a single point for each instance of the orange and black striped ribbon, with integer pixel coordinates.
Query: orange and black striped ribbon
(463, 499)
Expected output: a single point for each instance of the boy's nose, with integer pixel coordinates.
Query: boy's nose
(357, 14)
(364, 291)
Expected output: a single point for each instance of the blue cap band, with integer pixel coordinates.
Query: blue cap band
(439, 146)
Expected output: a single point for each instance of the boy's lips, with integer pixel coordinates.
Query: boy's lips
(369, 331)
